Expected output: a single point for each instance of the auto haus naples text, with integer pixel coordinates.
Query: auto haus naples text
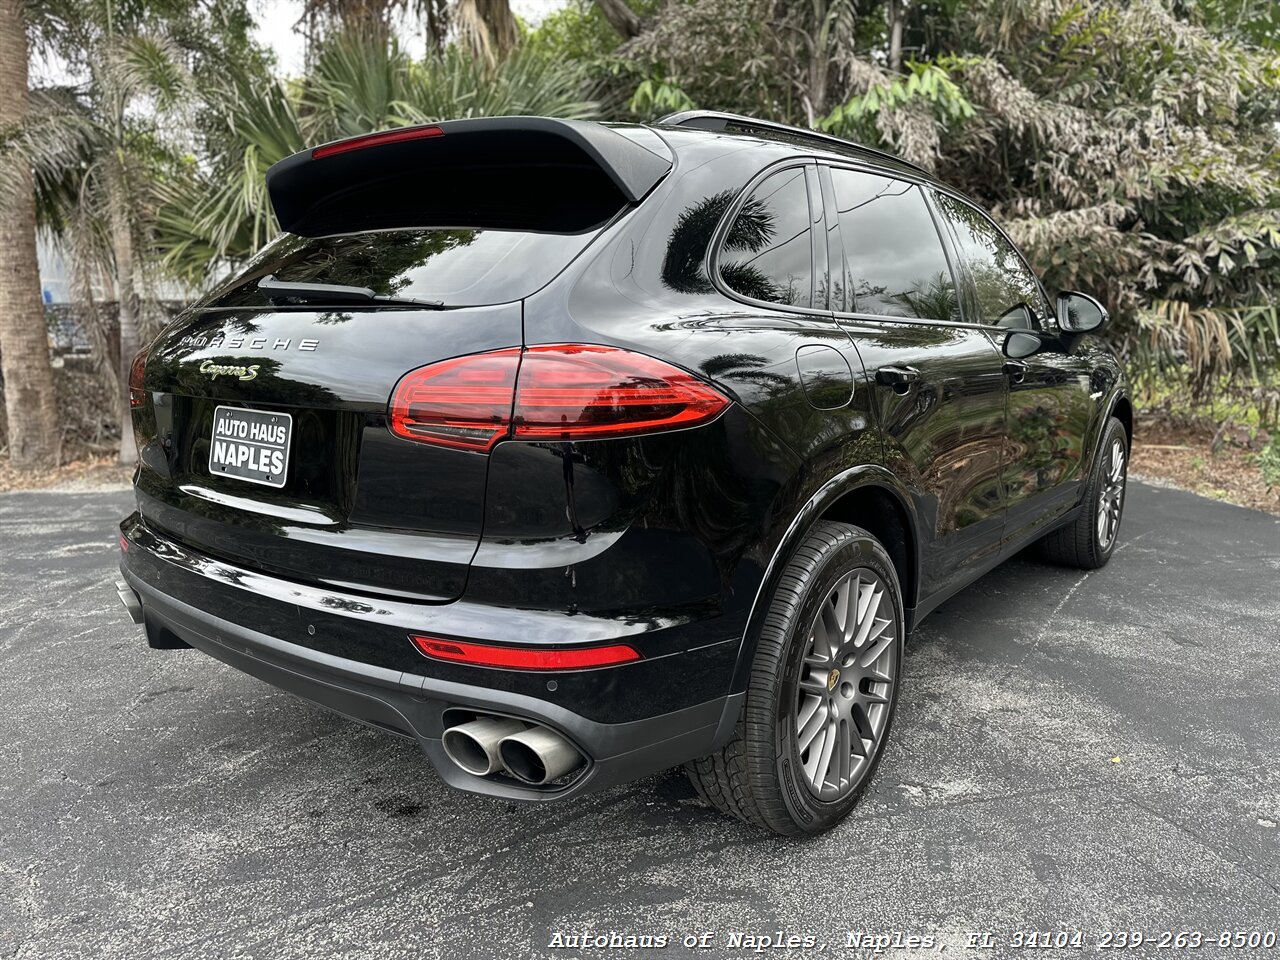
(227, 452)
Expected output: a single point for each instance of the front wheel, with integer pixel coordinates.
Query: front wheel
(823, 687)
(1088, 542)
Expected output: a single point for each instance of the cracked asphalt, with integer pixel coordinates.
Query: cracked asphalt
(159, 804)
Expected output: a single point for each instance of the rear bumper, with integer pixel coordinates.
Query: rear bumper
(258, 625)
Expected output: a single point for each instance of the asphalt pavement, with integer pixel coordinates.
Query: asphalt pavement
(1072, 752)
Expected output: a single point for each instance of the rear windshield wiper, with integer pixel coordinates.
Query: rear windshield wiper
(278, 291)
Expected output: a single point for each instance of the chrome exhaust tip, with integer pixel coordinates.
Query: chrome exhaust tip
(474, 746)
(538, 755)
(130, 600)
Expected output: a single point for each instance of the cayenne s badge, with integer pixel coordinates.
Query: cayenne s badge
(217, 370)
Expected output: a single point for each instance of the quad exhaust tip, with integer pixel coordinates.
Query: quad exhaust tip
(529, 752)
(474, 746)
(538, 755)
(130, 600)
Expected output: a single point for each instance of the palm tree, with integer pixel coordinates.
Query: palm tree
(358, 83)
(95, 162)
(933, 298)
(489, 26)
(24, 344)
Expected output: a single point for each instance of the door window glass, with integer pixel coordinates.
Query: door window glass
(768, 250)
(1005, 292)
(894, 264)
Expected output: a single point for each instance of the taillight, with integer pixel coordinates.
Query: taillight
(137, 374)
(548, 392)
(376, 140)
(578, 392)
(524, 658)
(464, 402)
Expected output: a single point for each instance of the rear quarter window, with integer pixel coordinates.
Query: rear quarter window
(461, 267)
(768, 249)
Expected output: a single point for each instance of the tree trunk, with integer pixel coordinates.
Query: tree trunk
(130, 337)
(815, 98)
(437, 16)
(489, 25)
(24, 340)
(621, 17)
(895, 36)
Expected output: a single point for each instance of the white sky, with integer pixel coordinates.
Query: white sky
(275, 20)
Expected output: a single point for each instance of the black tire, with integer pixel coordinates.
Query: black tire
(762, 775)
(1081, 543)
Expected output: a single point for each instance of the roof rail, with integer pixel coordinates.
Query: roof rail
(717, 120)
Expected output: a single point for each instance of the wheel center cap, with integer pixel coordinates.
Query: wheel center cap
(832, 679)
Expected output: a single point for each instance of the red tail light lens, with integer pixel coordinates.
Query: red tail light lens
(137, 375)
(375, 140)
(548, 392)
(581, 392)
(524, 658)
(464, 402)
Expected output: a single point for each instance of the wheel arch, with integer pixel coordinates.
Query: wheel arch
(1119, 406)
(882, 512)
(1122, 410)
(867, 496)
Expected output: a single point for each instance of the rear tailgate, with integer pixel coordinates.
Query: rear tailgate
(262, 422)
(358, 507)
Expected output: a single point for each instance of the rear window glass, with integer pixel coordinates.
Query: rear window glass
(459, 267)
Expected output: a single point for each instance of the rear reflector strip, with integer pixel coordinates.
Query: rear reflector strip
(375, 140)
(524, 658)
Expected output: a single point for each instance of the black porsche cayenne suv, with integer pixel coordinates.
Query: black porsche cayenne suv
(578, 451)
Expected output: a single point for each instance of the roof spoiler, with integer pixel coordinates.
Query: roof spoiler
(528, 173)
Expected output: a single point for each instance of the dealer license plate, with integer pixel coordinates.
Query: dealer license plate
(250, 445)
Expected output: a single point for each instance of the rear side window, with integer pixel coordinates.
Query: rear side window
(1004, 290)
(768, 249)
(459, 267)
(894, 264)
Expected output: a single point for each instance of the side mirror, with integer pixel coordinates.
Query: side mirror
(1017, 317)
(1080, 313)
(1019, 346)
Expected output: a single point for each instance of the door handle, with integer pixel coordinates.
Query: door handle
(1015, 370)
(900, 378)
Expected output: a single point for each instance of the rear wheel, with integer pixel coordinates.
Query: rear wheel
(822, 691)
(1089, 541)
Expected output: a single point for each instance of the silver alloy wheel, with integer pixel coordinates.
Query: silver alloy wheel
(845, 684)
(1111, 496)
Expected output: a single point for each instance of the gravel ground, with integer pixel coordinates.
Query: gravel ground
(1089, 753)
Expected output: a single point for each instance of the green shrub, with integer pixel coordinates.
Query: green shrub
(1268, 462)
